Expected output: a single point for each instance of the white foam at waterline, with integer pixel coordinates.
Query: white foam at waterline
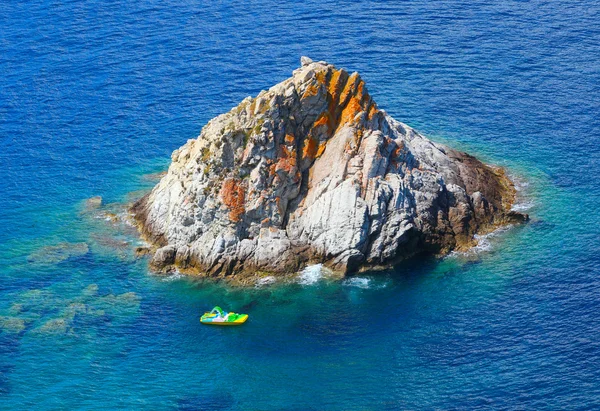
(265, 281)
(364, 283)
(359, 282)
(519, 182)
(173, 277)
(522, 206)
(523, 200)
(311, 274)
(126, 219)
(520, 186)
(483, 242)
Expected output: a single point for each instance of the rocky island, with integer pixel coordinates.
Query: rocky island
(312, 171)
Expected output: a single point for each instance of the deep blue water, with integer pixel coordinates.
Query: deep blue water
(96, 95)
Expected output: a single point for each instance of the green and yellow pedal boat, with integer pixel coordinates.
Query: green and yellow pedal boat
(219, 317)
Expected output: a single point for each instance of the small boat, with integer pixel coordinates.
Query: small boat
(219, 317)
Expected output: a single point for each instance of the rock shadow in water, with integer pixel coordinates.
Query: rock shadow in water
(8, 351)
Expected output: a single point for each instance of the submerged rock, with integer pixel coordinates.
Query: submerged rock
(110, 245)
(118, 306)
(42, 311)
(56, 253)
(312, 170)
(54, 326)
(12, 325)
(93, 202)
(154, 176)
(90, 291)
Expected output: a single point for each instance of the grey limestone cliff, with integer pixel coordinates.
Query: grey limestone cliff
(312, 171)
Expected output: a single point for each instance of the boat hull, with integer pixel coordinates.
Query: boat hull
(238, 321)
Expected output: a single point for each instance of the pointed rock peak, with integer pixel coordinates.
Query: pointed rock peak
(305, 61)
(330, 98)
(311, 170)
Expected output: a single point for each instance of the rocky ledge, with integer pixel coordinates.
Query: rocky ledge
(312, 171)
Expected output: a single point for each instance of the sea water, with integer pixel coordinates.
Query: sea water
(94, 96)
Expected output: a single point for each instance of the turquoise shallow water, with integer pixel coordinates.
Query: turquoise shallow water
(95, 96)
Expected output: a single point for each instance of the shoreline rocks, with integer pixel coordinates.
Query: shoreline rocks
(312, 171)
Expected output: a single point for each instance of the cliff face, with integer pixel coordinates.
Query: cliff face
(312, 171)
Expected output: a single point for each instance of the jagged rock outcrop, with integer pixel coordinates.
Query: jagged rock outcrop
(312, 170)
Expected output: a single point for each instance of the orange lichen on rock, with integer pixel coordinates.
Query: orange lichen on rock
(395, 157)
(323, 120)
(288, 153)
(312, 89)
(397, 152)
(311, 146)
(315, 86)
(334, 85)
(353, 98)
(350, 111)
(360, 94)
(287, 160)
(321, 149)
(320, 76)
(347, 97)
(272, 168)
(289, 139)
(233, 195)
(349, 88)
(372, 111)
